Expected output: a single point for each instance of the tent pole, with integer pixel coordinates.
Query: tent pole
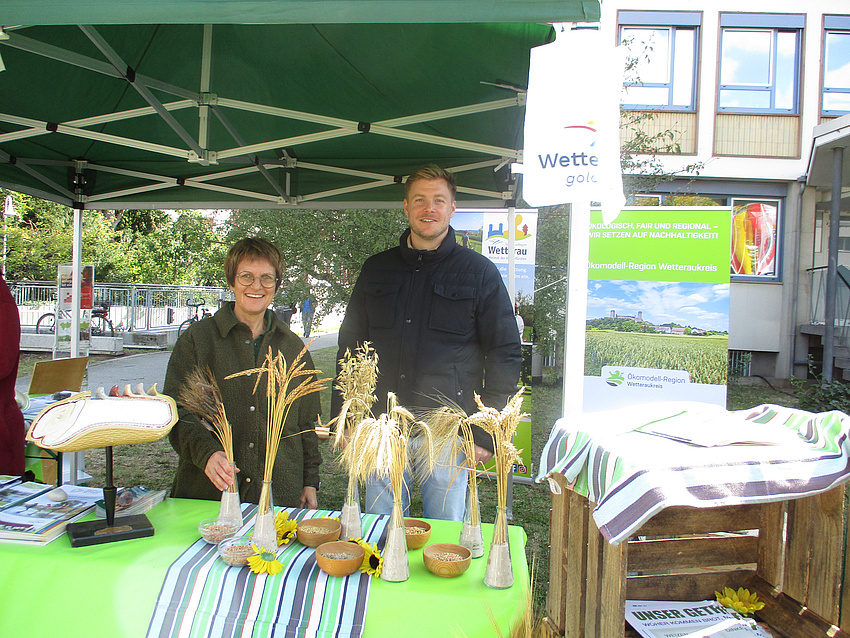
(832, 264)
(576, 309)
(512, 252)
(76, 281)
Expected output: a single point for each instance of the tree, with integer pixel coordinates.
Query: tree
(142, 246)
(186, 250)
(323, 250)
(550, 281)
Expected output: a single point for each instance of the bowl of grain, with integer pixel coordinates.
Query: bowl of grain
(312, 532)
(416, 532)
(446, 560)
(214, 530)
(339, 558)
(235, 551)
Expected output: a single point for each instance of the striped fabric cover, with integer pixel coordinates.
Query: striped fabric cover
(202, 596)
(633, 462)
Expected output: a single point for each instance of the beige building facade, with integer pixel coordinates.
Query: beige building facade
(743, 89)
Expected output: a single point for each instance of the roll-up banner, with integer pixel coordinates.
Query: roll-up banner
(657, 307)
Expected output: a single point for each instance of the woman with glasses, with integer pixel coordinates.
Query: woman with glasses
(237, 338)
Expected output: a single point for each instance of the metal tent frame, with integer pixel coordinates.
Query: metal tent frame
(179, 104)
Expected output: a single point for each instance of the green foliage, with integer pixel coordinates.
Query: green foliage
(550, 280)
(642, 168)
(820, 395)
(142, 246)
(323, 250)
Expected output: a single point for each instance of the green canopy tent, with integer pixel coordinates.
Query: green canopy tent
(264, 103)
(116, 104)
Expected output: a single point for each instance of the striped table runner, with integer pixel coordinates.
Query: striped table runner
(633, 462)
(202, 596)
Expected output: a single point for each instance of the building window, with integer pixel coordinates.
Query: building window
(754, 238)
(740, 362)
(663, 51)
(836, 66)
(759, 63)
(844, 235)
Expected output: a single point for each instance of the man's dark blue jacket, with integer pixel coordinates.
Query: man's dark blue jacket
(442, 324)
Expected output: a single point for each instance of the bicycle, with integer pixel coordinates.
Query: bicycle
(195, 317)
(99, 326)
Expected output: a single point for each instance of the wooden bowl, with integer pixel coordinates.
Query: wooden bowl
(339, 558)
(416, 532)
(312, 532)
(437, 559)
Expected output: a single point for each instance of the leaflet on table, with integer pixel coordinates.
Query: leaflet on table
(41, 519)
(718, 428)
(8, 479)
(16, 491)
(695, 619)
(132, 500)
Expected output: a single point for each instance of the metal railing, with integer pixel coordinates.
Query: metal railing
(842, 301)
(149, 307)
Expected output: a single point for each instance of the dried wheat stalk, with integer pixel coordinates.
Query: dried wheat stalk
(281, 392)
(501, 426)
(356, 382)
(377, 447)
(201, 395)
(445, 423)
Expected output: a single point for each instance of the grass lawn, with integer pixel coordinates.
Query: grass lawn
(153, 466)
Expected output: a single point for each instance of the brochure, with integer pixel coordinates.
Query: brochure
(39, 519)
(697, 619)
(15, 491)
(132, 500)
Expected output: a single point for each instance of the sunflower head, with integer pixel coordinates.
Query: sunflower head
(264, 561)
(285, 528)
(741, 601)
(373, 562)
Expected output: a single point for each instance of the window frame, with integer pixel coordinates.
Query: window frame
(775, 24)
(777, 203)
(675, 22)
(722, 197)
(833, 24)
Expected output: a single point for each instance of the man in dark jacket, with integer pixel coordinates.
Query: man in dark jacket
(441, 322)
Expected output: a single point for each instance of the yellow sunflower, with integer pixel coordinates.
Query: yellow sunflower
(373, 562)
(741, 601)
(285, 528)
(264, 561)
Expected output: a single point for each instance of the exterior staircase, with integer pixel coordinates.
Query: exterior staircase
(841, 367)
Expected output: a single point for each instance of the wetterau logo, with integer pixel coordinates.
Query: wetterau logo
(615, 379)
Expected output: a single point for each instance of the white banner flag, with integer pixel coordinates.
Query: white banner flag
(571, 149)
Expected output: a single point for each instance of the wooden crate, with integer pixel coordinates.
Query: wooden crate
(791, 553)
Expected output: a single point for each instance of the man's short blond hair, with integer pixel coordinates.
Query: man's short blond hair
(431, 172)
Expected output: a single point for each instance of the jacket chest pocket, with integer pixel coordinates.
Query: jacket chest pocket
(453, 310)
(381, 301)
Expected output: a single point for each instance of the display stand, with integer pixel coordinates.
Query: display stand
(99, 531)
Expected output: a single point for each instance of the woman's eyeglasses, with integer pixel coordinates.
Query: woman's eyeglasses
(247, 279)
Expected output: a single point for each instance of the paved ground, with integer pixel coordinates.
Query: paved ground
(148, 368)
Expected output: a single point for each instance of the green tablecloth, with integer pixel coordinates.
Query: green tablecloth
(111, 589)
